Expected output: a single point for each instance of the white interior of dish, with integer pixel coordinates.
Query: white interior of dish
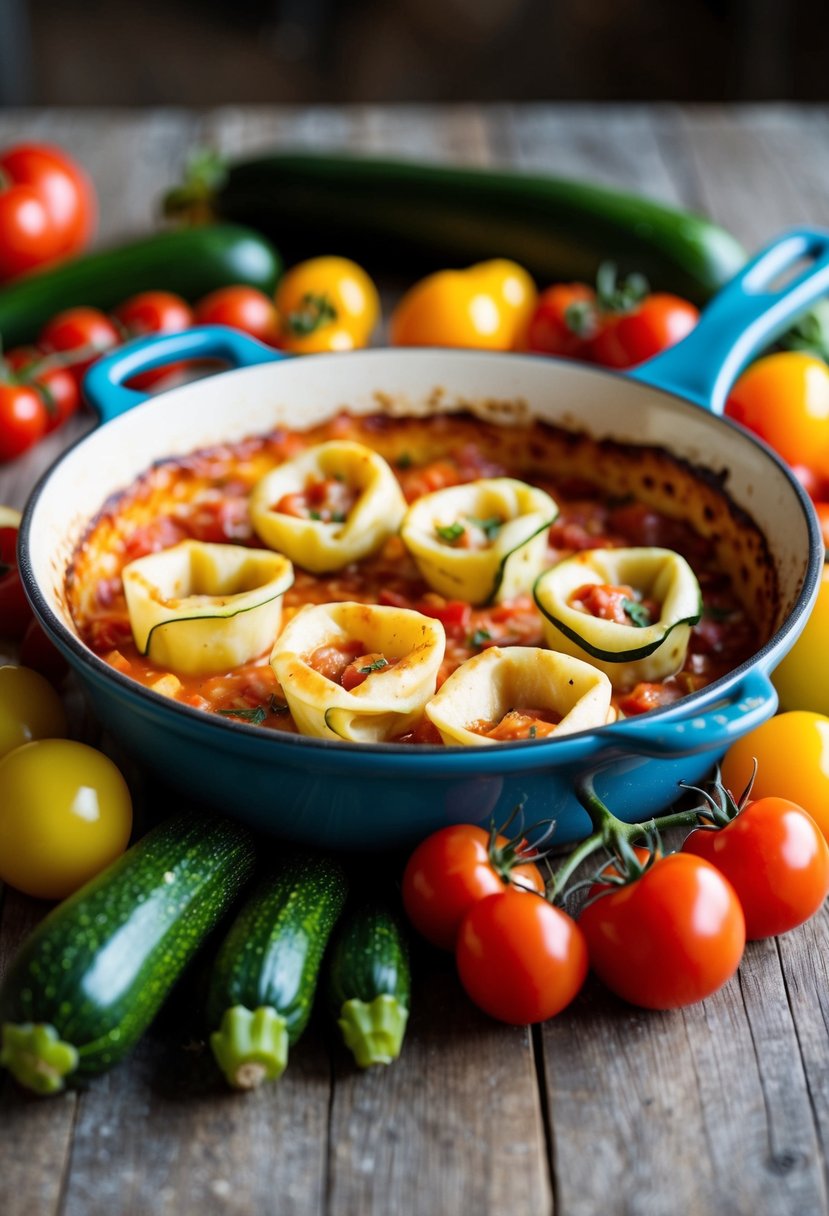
(301, 392)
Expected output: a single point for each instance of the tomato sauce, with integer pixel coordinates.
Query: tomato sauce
(204, 497)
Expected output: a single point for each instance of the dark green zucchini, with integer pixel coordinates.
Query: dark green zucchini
(369, 984)
(190, 262)
(263, 981)
(414, 217)
(93, 975)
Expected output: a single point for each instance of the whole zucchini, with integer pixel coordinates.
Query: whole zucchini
(369, 984)
(93, 975)
(190, 262)
(263, 981)
(415, 217)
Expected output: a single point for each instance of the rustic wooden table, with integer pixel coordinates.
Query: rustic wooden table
(722, 1108)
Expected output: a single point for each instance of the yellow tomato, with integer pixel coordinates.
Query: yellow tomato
(326, 298)
(29, 709)
(792, 753)
(487, 306)
(784, 398)
(802, 679)
(65, 814)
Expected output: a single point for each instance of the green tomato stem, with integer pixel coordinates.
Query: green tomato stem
(608, 830)
(36, 1057)
(250, 1046)
(373, 1031)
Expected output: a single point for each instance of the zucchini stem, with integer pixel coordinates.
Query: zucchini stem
(373, 1031)
(250, 1046)
(36, 1057)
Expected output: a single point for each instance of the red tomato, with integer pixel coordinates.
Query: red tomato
(86, 331)
(38, 652)
(670, 938)
(565, 321)
(23, 419)
(450, 871)
(520, 959)
(47, 208)
(153, 312)
(55, 383)
(15, 613)
(243, 308)
(629, 338)
(775, 857)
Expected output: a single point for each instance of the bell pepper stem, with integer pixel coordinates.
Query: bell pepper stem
(250, 1046)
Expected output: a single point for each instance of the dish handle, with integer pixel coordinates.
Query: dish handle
(712, 729)
(746, 315)
(104, 383)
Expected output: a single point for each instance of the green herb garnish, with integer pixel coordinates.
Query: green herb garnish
(637, 613)
(339, 517)
(479, 637)
(450, 532)
(532, 732)
(277, 707)
(377, 665)
(490, 527)
(404, 461)
(315, 515)
(255, 715)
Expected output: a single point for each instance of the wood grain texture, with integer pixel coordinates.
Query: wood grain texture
(722, 1108)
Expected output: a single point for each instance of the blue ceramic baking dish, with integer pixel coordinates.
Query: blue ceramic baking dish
(345, 795)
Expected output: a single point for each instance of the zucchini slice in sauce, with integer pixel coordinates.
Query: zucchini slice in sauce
(369, 984)
(335, 504)
(200, 608)
(527, 692)
(263, 981)
(481, 541)
(398, 651)
(653, 591)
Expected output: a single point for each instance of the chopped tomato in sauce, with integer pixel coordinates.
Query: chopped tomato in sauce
(523, 723)
(328, 500)
(617, 604)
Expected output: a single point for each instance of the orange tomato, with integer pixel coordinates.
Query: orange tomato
(488, 307)
(784, 398)
(326, 303)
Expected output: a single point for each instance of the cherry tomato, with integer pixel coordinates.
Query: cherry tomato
(240, 307)
(85, 331)
(520, 959)
(792, 753)
(15, 613)
(450, 871)
(29, 708)
(797, 680)
(66, 814)
(39, 653)
(47, 208)
(775, 858)
(55, 383)
(23, 419)
(464, 308)
(629, 338)
(326, 294)
(670, 938)
(565, 321)
(784, 398)
(153, 312)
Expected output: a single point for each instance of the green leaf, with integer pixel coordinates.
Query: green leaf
(450, 532)
(255, 715)
(404, 461)
(277, 707)
(479, 637)
(490, 527)
(314, 312)
(377, 665)
(637, 612)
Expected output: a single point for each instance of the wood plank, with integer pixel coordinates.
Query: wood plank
(453, 1126)
(37, 1133)
(162, 1134)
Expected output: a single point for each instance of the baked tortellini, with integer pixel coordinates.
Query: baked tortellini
(335, 504)
(358, 671)
(199, 609)
(519, 692)
(480, 542)
(629, 612)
